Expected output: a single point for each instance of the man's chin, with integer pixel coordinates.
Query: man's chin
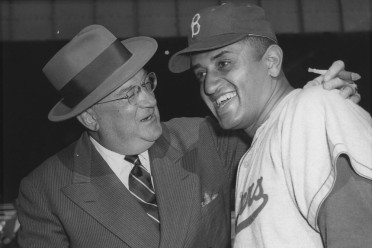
(228, 116)
(227, 124)
(154, 134)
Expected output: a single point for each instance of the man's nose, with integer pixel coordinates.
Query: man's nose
(211, 83)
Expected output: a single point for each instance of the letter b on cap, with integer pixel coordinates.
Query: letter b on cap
(195, 26)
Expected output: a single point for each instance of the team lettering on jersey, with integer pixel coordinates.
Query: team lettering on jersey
(247, 200)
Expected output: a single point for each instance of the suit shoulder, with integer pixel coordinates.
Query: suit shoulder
(52, 166)
(187, 131)
(184, 122)
(192, 125)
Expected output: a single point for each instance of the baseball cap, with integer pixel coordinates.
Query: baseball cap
(218, 26)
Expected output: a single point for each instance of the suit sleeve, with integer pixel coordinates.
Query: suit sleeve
(38, 226)
(231, 144)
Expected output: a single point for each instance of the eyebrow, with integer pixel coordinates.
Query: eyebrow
(122, 91)
(215, 57)
(219, 55)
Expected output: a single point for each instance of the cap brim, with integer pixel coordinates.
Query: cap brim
(142, 49)
(180, 61)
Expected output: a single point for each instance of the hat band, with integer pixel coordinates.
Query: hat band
(95, 73)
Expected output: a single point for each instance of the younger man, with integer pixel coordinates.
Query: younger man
(306, 180)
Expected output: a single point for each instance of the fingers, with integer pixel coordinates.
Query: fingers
(349, 76)
(336, 83)
(356, 98)
(347, 91)
(337, 78)
(335, 68)
(351, 91)
(314, 82)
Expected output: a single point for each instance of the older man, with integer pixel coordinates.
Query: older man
(97, 192)
(306, 180)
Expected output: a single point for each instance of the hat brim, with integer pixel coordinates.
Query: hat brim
(181, 61)
(142, 49)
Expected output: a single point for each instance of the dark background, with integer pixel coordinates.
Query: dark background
(28, 138)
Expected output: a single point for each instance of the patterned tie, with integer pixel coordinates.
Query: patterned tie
(141, 187)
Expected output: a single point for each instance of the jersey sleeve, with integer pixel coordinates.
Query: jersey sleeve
(319, 126)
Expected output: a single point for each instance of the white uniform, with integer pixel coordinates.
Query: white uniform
(290, 168)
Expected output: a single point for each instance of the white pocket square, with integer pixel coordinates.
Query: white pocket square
(207, 198)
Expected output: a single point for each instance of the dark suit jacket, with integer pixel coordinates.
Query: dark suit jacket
(75, 200)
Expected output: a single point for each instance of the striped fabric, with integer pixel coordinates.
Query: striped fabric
(141, 187)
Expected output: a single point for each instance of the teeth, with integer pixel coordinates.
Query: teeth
(223, 99)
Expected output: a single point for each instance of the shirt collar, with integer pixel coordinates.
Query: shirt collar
(144, 156)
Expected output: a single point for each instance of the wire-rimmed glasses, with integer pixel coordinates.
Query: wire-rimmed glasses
(148, 84)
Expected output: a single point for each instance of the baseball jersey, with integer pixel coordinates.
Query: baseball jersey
(290, 168)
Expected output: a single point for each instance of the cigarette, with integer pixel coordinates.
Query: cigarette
(345, 75)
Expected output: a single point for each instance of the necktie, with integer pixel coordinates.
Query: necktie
(141, 187)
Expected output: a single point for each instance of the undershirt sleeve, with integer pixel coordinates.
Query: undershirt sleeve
(345, 217)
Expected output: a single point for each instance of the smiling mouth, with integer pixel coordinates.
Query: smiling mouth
(224, 99)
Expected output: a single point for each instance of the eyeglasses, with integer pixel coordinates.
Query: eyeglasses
(149, 84)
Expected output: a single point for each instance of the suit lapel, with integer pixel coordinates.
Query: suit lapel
(98, 191)
(176, 192)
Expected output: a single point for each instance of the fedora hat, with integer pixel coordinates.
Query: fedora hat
(91, 66)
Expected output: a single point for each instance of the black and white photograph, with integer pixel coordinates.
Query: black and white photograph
(186, 123)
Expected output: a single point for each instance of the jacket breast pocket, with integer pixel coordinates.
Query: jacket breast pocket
(216, 222)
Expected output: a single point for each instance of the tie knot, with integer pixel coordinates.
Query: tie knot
(132, 159)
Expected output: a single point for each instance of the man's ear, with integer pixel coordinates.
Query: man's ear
(89, 119)
(274, 59)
